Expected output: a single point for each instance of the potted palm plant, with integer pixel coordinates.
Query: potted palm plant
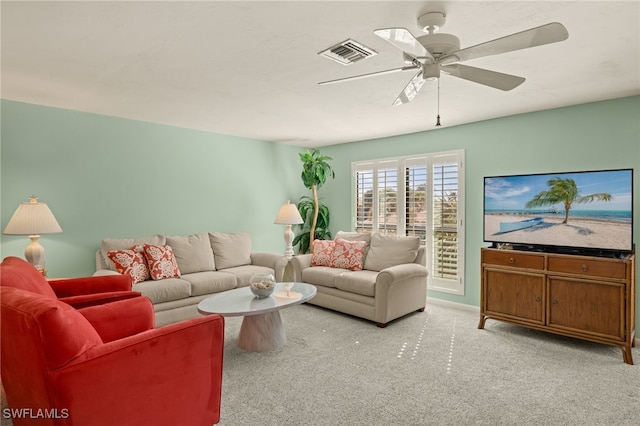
(315, 171)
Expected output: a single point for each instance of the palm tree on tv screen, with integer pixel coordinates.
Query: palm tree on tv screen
(564, 191)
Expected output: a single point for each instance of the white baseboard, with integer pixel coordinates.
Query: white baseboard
(456, 305)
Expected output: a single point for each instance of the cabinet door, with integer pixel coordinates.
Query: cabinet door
(515, 295)
(595, 308)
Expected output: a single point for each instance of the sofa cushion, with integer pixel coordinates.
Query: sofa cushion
(164, 290)
(348, 254)
(390, 250)
(322, 252)
(210, 282)
(131, 262)
(193, 253)
(109, 244)
(231, 249)
(359, 282)
(353, 236)
(162, 262)
(244, 273)
(321, 275)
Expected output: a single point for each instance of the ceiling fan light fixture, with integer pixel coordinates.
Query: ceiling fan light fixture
(431, 21)
(431, 72)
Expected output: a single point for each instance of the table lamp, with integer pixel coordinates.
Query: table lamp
(32, 219)
(288, 215)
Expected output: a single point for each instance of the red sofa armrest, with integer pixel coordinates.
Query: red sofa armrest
(169, 375)
(67, 287)
(120, 319)
(86, 300)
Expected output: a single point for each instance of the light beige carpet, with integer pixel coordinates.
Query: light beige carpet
(431, 368)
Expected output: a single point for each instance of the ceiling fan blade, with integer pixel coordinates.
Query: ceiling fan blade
(371, 74)
(545, 34)
(493, 79)
(403, 40)
(411, 90)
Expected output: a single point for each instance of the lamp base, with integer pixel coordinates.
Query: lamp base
(34, 253)
(288, 239)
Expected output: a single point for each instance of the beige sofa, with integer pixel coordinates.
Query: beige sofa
(392, 283)
(209, 263)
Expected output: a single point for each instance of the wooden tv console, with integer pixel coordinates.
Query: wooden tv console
(591, 298)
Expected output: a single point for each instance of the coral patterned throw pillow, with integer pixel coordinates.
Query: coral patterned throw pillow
(322, 251)
(131, 262)
(162, 262)
(348, 254)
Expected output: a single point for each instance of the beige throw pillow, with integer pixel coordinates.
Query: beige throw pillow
(193, 253)
(390, 250)
(231, 249)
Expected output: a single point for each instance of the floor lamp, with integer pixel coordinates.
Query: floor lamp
(33, 219)
(288, 215)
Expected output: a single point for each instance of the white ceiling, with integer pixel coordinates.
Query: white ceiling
(251, 68)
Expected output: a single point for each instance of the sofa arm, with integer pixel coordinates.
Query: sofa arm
(168, 375)
(120, 319)
(90, 285)
(265, 259)
(398, 273)
(275, 261)
(300, 262)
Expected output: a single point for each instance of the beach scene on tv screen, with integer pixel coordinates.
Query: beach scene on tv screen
(586, 209)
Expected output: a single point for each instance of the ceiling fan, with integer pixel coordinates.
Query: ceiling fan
(436, 53)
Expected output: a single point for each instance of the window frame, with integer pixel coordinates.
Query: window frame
(428, 160)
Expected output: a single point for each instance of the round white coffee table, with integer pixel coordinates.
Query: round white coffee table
(261, 328)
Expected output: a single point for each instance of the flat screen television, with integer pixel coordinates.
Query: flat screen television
(588, 212)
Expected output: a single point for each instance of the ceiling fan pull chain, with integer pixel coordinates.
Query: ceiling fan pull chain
(438, 118)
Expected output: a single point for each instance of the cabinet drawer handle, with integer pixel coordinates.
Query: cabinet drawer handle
(555, 302)
(584, 268)
(512, 260)
(538, 298)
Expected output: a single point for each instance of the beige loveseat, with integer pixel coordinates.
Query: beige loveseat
(209, 263)
(392, 283)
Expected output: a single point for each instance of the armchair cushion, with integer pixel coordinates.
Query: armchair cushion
(19, 273)
(68, 287)
(113, 321)
(62, 331)
(85, 300)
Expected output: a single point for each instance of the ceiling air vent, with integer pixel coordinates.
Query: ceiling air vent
(348, 52)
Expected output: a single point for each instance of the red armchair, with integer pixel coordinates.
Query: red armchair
(77, 292)
(106, 364)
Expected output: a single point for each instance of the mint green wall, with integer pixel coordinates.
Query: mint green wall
(601, 135)
(106, 177)
(110, 177)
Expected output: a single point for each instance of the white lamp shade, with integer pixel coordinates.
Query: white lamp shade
(288, 215)
(32, 218)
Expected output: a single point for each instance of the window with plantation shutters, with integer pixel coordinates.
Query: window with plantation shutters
(418, 195)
